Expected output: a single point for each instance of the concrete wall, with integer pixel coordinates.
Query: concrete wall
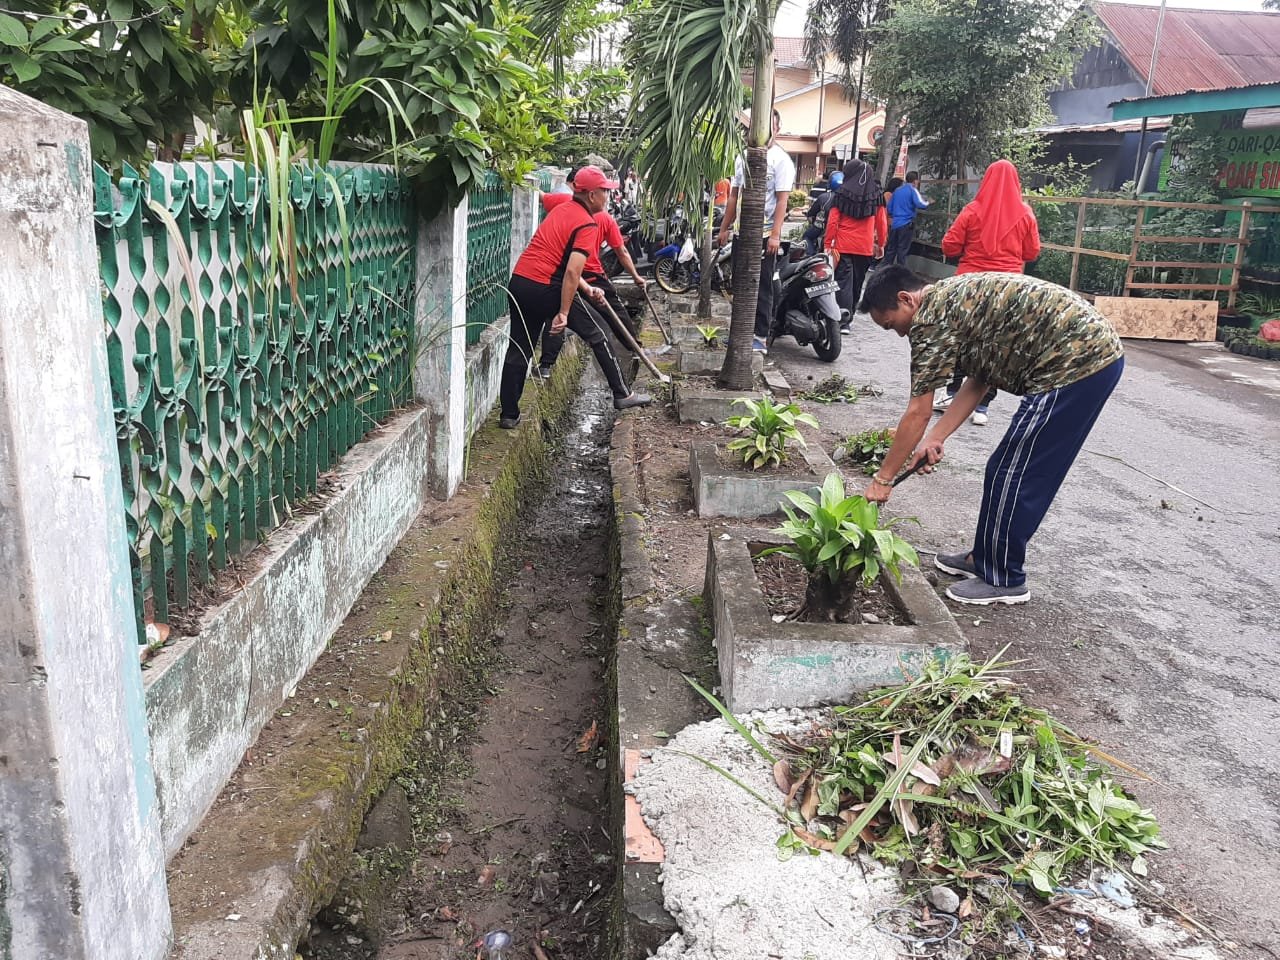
(209, 696)
(79, 825)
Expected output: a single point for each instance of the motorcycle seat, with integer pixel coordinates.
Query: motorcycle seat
(788, 268)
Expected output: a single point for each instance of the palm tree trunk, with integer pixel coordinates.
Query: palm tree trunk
(889, 145)
(704, 283)
(736, 373)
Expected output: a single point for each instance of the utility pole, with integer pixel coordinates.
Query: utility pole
(1151, 79)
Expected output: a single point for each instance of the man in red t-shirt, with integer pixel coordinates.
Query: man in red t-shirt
(594, 274)
(543, 294)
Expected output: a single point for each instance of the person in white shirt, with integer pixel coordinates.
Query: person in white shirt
(780, 178)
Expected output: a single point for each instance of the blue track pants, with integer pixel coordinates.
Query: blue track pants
(1027, 468)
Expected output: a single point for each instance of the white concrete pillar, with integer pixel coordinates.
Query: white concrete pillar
(79, 827)
(440, 375)
(526, 207)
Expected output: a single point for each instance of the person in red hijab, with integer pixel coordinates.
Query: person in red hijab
(995, 233)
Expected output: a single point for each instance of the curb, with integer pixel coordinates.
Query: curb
(278, 841)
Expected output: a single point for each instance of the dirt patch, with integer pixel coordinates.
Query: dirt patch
(509, 797)
(782, 583)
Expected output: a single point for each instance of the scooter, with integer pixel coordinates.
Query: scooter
(805, 302)
(676, 267)
(628, 218)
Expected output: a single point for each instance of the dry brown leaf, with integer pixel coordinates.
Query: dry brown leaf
(904, 810)
(813, 840)
(795, 787)
(782, 775)
(447, 913)
(487, 874)
(588, 739)
(966, 908)
(809, 806)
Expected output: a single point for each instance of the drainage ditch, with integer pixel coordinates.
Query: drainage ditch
(501, 823)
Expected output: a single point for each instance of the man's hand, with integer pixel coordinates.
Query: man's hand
(931, 450)
(559, 322)
(877, 492)
(641, 282)
(835, 257)
(877, 251)
(771, 247)
(724, 236)
(596, 295)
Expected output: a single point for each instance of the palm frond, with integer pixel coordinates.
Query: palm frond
(687, 58)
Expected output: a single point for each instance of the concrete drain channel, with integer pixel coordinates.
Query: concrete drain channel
(501, 824)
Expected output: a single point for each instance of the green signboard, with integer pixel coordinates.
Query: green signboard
(1252, 165)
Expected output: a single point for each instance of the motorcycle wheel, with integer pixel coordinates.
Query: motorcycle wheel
(672, 276)
(829, 353)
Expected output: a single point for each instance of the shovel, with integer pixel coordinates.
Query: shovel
(666, 334)
(623, 334)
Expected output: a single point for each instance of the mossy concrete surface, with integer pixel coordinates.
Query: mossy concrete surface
(275, 845)
(660, 641)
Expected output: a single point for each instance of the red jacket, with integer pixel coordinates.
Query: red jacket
(847, 235)
(964, 240)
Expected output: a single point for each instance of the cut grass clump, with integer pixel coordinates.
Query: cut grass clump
(953, 772)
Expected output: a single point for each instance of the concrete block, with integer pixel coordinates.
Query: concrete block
(484, 372)
(698, 360)
(764, 665)
(721, 491)
(933, 269)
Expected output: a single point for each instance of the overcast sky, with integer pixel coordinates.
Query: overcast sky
(790, 21)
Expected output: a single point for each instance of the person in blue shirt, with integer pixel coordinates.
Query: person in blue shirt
(905, 203)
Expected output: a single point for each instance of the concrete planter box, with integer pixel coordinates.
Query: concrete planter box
(698, 403)
(764, 665)
(721, 491)
(698, 359)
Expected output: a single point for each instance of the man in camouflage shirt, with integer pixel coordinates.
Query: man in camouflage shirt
(1019, 334)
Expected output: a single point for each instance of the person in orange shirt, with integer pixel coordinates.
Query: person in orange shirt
(856, 232)
(996, 232)
(721, 195)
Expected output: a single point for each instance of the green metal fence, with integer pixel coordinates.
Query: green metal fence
(488, 254)
(236, 385)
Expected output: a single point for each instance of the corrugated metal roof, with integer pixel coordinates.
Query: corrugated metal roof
(1199, 49)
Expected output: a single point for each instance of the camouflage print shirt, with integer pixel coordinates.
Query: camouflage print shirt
(1020, 334)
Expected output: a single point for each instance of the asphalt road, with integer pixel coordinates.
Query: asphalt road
(1154, 623)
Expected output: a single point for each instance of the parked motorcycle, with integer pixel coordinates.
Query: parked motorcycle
(677, 270)
(628, 218)
(805, 302)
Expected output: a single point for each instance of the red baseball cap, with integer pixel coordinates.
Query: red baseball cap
(592, 178)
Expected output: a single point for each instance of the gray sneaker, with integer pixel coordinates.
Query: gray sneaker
(956, 564)
(980, 593)
(635, 400)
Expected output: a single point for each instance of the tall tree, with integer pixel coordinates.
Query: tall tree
(966, 70)
(688, 58)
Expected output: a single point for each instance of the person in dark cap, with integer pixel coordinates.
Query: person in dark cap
(544, 294)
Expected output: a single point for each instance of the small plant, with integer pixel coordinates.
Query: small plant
(840, 541)
(770, 428)
(797, 198)
(868, 448)
(710, 335)
(1261, 306)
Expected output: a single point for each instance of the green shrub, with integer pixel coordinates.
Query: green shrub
(770, 428)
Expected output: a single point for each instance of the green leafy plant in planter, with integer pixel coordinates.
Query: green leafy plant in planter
(868, 448)
(840, 541)
(710, 335)
(769, 429)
